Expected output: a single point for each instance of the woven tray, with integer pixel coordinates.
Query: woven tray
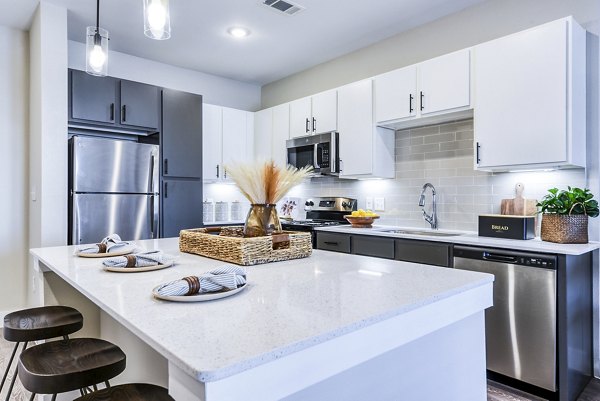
(228, 244)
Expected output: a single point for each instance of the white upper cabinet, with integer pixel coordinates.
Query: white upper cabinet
(445, 83)
(530, 99)
(437, 90)
(365, 151)
(271, 131)
(263, 134)
(300, 117)
(228, 136)
(395, 94)
(212, 141)
(281, 133)
(313, 115)
(324, 112)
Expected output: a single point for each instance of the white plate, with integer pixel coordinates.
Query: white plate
(209, 296)
(137, 269)
(123, 252)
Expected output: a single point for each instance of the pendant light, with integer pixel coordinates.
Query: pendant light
(157, 21)
(96, 49)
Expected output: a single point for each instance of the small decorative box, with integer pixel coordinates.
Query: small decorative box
(506, 226)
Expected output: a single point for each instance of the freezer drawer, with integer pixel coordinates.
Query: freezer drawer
(108, 165)
(95, 216)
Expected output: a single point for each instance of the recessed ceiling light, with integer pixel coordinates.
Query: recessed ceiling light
(238, 32)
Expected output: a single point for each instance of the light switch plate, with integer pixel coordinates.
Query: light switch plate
(369, 204)
(379, 204)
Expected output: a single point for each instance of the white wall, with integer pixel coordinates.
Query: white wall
(477, 24)
(48, 128)
(14, 95)
(216, 90)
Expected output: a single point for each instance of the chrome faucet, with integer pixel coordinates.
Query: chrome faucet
(432, 220)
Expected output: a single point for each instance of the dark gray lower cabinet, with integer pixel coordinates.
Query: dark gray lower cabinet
(407, 250)
(333, 242)
(430, 253)
(181, 205)
(373, 246)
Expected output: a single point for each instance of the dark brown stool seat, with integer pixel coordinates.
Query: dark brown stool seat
(62, 366)
(41, 323)
(129, 392)
(37, 324)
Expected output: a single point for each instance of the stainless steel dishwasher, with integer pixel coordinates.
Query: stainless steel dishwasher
(521, 326)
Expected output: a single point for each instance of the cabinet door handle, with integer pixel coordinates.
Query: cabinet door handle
(422, 97)
(217, 171)
(112, 112)
(331, 243)
(224, 173)
(314, 124)
(477, 153)
(410, 99)
(166, 189)
(124, 113)
(166, 166)
(307, 122)
(341, 167)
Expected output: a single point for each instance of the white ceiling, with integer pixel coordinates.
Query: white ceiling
(279, 45)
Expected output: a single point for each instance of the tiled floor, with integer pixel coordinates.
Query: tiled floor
(496, 392)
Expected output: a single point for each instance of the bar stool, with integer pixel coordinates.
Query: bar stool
(129, 392)
(62, 366)
(37, 324)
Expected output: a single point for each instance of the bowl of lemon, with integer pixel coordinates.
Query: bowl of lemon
(361, 218)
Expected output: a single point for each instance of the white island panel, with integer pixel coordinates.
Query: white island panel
(291, 315)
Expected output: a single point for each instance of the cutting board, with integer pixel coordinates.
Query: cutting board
(518, 206)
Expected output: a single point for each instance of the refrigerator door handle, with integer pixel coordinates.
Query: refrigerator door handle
(151, 175)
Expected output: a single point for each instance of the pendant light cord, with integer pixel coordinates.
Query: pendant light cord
(98, 16)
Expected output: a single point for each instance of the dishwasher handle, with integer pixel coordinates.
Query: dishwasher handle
(496, 257)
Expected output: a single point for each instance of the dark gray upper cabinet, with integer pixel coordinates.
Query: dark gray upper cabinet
(181, 138)
(140, 105)
(92, 99)
(181, 205)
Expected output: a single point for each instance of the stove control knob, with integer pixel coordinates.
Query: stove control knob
(309, 203)
(346, 205)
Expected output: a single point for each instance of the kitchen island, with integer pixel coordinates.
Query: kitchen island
(327, 327)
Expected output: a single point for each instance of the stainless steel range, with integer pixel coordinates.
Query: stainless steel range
(321, 212)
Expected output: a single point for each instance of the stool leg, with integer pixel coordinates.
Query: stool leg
(12, 382)
(32, 397)
(10, 361)
(54, 397)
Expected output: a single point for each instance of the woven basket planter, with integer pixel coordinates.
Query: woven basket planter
(229, 245)
(565, 229)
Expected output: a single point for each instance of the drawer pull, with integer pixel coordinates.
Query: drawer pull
(331, 243)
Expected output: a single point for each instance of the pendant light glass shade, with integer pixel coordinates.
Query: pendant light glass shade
(157, 21)
(96, 51)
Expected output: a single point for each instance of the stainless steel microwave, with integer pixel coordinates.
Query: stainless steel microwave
(318, 151)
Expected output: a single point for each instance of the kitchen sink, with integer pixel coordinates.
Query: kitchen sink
(431, 233)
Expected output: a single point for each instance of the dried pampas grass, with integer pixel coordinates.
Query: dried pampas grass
(265, 182)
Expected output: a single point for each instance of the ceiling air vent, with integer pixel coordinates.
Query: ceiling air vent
(282, 6)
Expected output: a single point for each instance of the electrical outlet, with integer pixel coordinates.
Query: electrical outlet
(369, 204)
(379, 204)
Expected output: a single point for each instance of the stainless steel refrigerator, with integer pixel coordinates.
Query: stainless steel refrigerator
(113, 188)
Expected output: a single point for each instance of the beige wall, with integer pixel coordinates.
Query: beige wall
(14, 95)
(477, 24)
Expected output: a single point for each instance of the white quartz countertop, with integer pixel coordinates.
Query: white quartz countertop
(287, 306)
(470, 238)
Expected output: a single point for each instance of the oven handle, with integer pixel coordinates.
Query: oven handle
(316, 156)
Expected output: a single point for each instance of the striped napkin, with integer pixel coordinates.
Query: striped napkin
(112, 243)
(146, 259)
(226, 277)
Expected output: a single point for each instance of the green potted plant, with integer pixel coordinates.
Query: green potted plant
(565, 215)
